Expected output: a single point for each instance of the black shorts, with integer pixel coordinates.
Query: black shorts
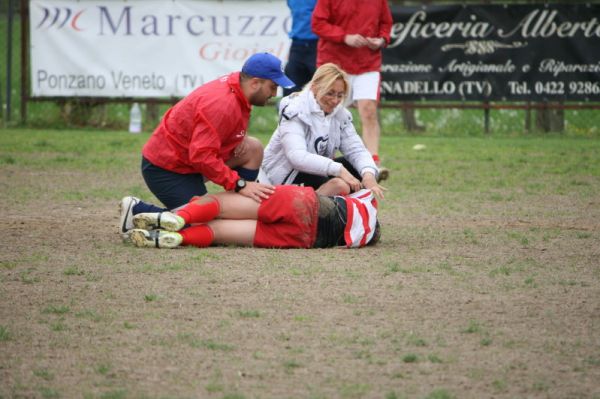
(332, 222)
(315, 181)
(172, 189)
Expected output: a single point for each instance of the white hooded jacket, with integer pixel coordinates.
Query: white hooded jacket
(306, 140)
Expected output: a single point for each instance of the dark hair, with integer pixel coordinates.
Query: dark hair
(376, 235)
(244, 76)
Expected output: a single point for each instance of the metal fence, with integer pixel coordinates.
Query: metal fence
(422, 117)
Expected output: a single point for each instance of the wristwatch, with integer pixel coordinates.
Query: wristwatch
(239, 185)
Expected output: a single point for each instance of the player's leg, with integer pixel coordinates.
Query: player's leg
(172, 189)
(301, 64)
(365, 91)
(334, 186)
(203, 209)
(293, 69)
(367, 109)
(220, 231)
(235, 232)
(247, 158)
(310, 180)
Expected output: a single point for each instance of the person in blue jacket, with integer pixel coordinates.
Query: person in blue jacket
(302, 61)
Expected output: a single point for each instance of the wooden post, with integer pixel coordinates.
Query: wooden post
(24, 59)
(528, 118)
(9, 60)
(486, 117)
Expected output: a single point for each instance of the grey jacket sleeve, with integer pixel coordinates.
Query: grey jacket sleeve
(295, 146)
(354, 150)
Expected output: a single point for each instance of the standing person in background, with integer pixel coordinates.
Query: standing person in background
(351, 35)
(302, 61)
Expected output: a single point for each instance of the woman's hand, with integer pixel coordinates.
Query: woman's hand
(370, 182)
(352, 181)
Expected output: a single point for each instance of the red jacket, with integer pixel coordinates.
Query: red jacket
(333, 19)
(200, 132)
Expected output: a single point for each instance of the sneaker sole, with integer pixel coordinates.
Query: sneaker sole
(169, 240)
(138, 238)
(165, 239)
(148, 222)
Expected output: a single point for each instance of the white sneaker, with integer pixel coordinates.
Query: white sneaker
(126, 219)
(155, 238)
(158, 220)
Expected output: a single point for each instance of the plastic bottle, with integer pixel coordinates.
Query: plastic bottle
(135, 119)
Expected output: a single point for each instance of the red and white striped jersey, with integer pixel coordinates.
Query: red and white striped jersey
(361, 219)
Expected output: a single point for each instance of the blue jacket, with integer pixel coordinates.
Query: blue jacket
(301, 19)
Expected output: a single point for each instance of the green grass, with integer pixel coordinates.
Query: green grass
(73, 271)
(44, 374)
(249, 313)
(58, 310)
(150, 297)
(410, 358)
(5, 334)
(440, 394)
(473, 327)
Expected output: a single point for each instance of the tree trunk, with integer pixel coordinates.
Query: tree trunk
(550, 120)
(410, 121)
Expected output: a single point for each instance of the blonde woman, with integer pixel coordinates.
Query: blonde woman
(313, 127)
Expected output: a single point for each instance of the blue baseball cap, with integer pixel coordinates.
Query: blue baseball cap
(267, 66)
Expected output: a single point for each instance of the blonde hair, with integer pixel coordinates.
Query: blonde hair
(325, 76)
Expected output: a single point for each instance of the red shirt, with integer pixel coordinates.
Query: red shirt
(200, 132)
(334, 19)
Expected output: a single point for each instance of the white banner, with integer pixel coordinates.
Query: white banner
(147, 48)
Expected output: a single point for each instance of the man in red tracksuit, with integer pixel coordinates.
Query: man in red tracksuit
(351, 35)
(204, 137)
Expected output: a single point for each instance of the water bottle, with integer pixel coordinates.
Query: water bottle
(135, 119)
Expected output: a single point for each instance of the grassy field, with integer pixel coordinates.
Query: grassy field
(486, 282)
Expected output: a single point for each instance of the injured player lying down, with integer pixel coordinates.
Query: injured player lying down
(292, 217)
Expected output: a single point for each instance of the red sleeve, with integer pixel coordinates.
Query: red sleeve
(204, 156)
(321, 25)
(385, 26)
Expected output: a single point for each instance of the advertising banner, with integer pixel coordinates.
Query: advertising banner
(150, 48)
(515, 52)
